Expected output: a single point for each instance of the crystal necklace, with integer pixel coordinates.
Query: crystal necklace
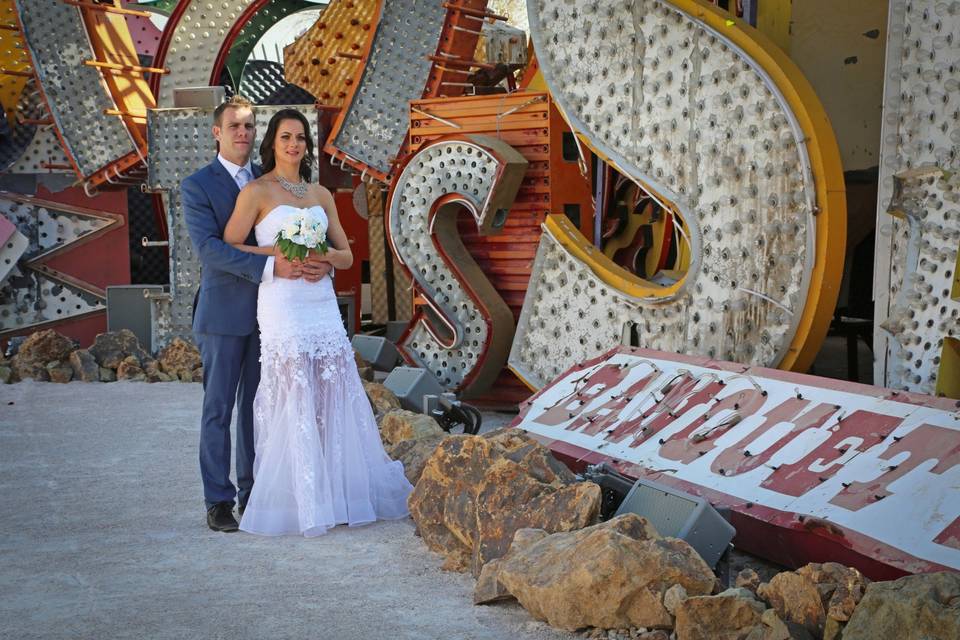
(298, 189)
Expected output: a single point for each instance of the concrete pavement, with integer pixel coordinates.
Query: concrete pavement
(102, 535)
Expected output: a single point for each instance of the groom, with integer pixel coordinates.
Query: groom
(225, 310)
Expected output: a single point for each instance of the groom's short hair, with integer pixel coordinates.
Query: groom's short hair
(235, 102)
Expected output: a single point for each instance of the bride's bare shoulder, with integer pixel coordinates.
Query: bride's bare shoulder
(320, 192)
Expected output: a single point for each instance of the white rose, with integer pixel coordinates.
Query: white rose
(290, 229)
(309, 238)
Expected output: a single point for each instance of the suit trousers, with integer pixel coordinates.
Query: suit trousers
(231, 374)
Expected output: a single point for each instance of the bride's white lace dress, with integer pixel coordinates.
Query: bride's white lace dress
(319, 459)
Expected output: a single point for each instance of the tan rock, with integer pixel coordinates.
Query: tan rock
(197, 375)
(151, 367)
(382, 399)
(59, 372)
(364, 368)
(673, 597)
(720, 617)
(658, 634)
(748, 579)
(776, 628)
(6, 374)
(358, 359)
(85, 368)
(107, 375)
(129, 369)
(795, 598)
(920, 607)
(179, 359)
(832, 629)
(414, 454)
(840, 587)
(37, 350)
(489, 588)
(611, 575)
(112, 347)
(366, 373)
(399, 425)
(476, 492)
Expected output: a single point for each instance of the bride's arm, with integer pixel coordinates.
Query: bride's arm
(241, 221)
(338, 253)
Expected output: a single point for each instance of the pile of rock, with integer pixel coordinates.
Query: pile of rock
(623, 580)
(499, 505)
(48, 356)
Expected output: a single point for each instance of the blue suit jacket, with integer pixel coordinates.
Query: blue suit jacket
(226, 303)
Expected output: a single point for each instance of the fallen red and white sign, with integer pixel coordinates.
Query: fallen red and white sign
(813, 469)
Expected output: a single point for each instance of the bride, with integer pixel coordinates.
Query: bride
(319, 459)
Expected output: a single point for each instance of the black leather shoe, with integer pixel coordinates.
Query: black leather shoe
(220, 517)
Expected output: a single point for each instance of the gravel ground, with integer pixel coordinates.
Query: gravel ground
(103, 536)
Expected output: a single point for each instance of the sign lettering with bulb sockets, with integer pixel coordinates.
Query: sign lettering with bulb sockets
(463, 331)
(728, 135)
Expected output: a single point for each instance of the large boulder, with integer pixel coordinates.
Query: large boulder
(381, 399)
(179, 360)
(475, 492)
(399, 425)
(921, 607)
(112, 347)
(611, 575)
(38, 350)
(489, 588)
(85, 367)
(814, 595)
(415, 453)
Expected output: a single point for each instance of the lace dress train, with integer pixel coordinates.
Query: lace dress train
(319, 459)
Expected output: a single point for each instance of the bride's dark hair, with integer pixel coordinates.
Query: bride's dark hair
(266, 147)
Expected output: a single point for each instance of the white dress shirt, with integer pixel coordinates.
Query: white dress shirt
(233, 170)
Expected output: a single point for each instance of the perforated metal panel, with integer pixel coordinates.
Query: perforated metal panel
(926, 202)
(263, 83)
(15, 137)
(678, 106)
(313, 61)
(181, 143)
(43, 154)
(13, 245)
(77, 98)
(396, 72)
(195, 41)
(31, 297)
(49, 229)
(920, 128)
(267, 15)
(33, 293)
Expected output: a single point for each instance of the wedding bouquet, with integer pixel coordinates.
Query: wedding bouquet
(301, 234)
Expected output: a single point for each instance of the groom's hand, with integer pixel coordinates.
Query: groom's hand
(314, 270)
(283, 268)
